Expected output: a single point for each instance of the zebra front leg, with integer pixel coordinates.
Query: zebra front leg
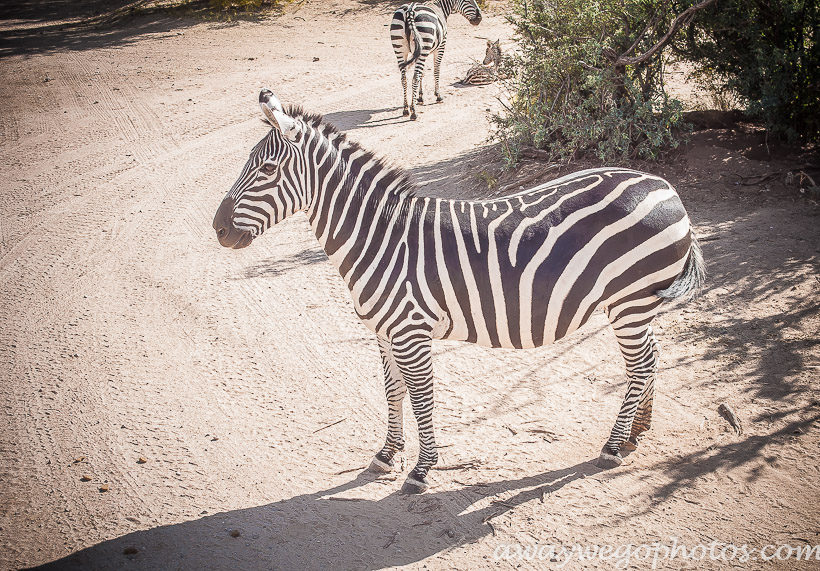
(413, 356)
(638, 347)
(394, 389)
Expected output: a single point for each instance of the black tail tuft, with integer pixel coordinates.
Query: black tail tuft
(691, 280)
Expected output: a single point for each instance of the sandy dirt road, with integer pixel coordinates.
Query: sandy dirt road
(127, 333)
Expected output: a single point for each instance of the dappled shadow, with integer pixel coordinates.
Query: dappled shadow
(29, 27)
(281, 264)
(459, 177)
(752, 452)
(81, 36)
(54, 10)
(364, 118)
(326, 529)
(753, 263)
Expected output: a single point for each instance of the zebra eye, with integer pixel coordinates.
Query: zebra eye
(268, 168)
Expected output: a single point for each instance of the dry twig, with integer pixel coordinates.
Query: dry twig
(530, 178)
(329, 425)
(730, 417)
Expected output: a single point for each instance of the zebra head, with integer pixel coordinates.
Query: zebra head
(267, 191)
(468, 9)
(493, 54)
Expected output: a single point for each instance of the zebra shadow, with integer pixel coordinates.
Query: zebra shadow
(327, 529)
(279, 265)
(365, 118)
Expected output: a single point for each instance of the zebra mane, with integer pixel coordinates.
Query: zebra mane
(404, 187)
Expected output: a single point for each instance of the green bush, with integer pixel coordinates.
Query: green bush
(567, 96)
(238, 5)
(768, 53)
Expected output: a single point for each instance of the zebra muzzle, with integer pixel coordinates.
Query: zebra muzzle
(227, 234)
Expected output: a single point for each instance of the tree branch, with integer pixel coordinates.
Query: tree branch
(680, 20)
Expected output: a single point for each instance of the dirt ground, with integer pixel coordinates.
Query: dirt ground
(222, 404)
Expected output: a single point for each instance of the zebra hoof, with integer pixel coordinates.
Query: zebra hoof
(609, 460)
(379, 466)
(439, 99)
(412, 116)
(406, 112)
(414, 486)
(630, 445)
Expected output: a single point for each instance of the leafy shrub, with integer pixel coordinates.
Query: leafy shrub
(239, 5)
(569, 98)
(768, 53)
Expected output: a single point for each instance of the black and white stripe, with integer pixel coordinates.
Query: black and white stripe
(418, 30)
(520, 271)
(487, 71)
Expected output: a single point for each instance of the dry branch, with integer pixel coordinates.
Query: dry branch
(392, 540)
(680, 20)
(730, 417)
(530, 178)
(329, 425)
(533, 153)
(463, 466)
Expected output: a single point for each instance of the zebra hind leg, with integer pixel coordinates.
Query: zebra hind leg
(416, 86)
(394, 389)
(639, 349)
(643, 416)
(405, 111)
(436, 67)
(413, 356)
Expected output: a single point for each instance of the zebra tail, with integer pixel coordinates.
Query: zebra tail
(691, 280)
(412, 35)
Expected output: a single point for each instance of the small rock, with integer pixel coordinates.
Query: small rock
(235, 533)
(142, 460)
(85, 478)
(130, 550)
(79, 459)
(104, 488)
(315, 59)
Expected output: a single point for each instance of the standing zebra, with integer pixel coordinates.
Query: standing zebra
(417, 31)
(518, 272)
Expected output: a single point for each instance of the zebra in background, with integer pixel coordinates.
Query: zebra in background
(487, 71)
(520, 271)
(417, 31)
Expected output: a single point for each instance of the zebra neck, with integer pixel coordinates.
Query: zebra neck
(356, 198)
(446, 7)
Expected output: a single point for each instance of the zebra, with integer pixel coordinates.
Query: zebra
(487, 71)
(417, 31)
(520, 271)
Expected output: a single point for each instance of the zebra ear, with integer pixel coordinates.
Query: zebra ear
(275, 114)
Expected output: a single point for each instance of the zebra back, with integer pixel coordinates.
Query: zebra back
(467, 8)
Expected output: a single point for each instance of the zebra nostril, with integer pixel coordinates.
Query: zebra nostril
(221, 232)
